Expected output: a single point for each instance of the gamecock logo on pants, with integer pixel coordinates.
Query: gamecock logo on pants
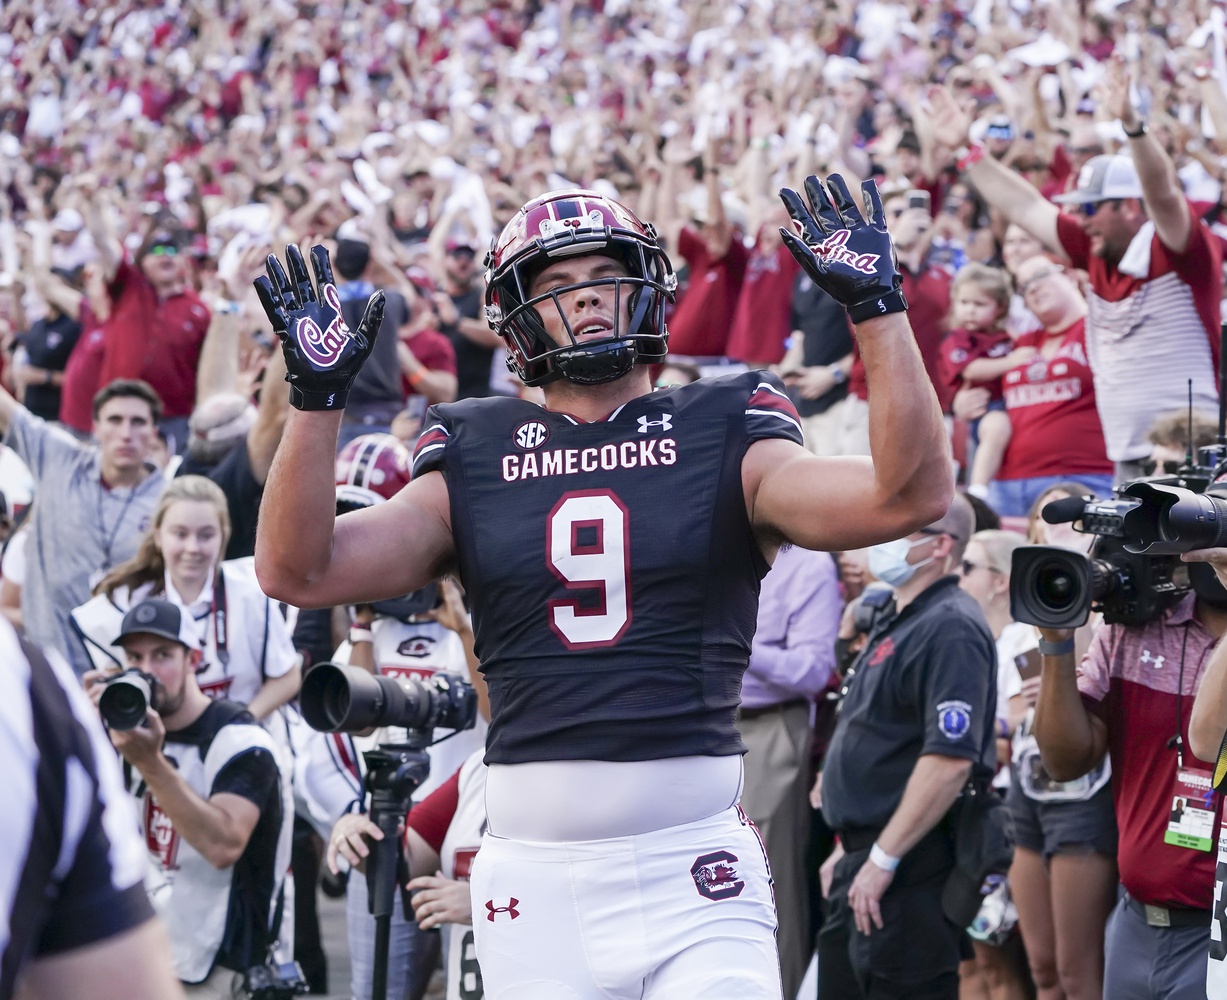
(715, 877)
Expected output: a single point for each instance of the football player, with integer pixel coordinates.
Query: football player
(611, 543)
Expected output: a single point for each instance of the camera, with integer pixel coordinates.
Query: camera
(126, 699)
(1133, 572)
(411, 605)
(336, 698)
(275, 981)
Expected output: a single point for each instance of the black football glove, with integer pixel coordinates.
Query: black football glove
(322, 356)
(851, 259)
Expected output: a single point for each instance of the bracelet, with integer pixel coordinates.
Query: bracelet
(360, 633)
(883, 860)
(415, 378)
(1138, 132)
(970, 157)
(1063, 648)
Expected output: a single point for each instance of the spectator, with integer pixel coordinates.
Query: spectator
(214, 804)
(157, 322)
(978, 351)
(93, 501)
(1050, 400)
(1153, 266)
(76, 910)
(791, 662)
(246, 653)
(458, 305)
(762, 320)
(917, 722)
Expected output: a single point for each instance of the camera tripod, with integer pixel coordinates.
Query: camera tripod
(394, 771)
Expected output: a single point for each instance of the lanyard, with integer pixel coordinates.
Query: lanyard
(1177, 741)
(217, 612)
(108, 541)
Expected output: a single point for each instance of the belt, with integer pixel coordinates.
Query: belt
(1162, 916)
(780, 706)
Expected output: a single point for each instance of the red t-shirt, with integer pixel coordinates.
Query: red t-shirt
(434, 350)
(1051, 403)
(704, 317)
(155, 340)
(431, 817)
(763, 319)
(81, 374)
(962, 347)
(928, 300)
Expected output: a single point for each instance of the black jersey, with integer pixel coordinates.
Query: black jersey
(611, 566)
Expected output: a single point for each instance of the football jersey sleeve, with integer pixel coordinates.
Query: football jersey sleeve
(428, 453)
(769, 411)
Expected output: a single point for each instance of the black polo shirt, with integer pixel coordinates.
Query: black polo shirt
(926, 684)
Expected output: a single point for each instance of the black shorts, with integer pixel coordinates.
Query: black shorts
(1049, 828)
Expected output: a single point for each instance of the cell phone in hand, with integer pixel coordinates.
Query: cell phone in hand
(920, 199)
(1028, 664)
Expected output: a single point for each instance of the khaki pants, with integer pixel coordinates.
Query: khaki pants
(775, 797)
(222, 984)
(822, 430)
(852, 429)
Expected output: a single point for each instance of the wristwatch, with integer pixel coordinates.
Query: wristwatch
(838, 374)
(1138, 132)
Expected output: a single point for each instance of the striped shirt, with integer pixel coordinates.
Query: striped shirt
(1153, 325)
(74, 869)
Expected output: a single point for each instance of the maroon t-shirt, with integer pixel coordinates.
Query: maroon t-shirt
(154, 339)
(962, 347)
(434, 350)
(431, 817)
(703, 319)
(1051, 404)
(81, 374)
(928, 300)
(763, 319)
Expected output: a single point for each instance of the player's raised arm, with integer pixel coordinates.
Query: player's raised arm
(842, 503)
(302, 555)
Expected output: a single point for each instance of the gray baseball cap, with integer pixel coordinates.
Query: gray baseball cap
(161, 618)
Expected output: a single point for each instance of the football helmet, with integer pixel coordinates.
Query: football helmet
(568, 224)
(371, 469)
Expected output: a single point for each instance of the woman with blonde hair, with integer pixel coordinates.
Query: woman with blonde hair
(248, 653)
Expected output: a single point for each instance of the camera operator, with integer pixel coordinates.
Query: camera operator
(917, 720)
(1132, 697)
(214, 804)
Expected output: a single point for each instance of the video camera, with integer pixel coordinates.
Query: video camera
(336, 698)
(126, 699)
(1133, 572)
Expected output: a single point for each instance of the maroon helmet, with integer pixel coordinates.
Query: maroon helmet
(371, 469)
(567, 224)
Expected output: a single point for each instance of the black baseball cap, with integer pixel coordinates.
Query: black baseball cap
(161, 618)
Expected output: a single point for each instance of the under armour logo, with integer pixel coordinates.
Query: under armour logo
(1147, 657)
(509, 908)
(665, 423)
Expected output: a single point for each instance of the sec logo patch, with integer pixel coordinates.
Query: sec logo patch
(530, 435)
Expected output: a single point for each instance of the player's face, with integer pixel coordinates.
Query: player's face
(167, 662)
(190, 538)
(975, 309)
(592, 313)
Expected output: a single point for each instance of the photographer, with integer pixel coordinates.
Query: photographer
(214, 806)
(1132, 697)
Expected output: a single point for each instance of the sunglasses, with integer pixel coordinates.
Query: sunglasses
(1089, 208)
(162, 250)
(969, 567)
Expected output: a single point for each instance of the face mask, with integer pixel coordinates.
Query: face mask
(888, 561)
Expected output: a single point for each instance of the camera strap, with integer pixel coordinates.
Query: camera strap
(1177, 741)
(217, 612)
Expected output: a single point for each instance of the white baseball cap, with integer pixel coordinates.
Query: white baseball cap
(1104, 178)
(68, 220)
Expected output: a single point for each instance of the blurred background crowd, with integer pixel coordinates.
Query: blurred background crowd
(153, 154)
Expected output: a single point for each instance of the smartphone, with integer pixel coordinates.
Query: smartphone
(919, 199)
(1028, 664)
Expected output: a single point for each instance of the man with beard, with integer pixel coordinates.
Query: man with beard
(1154, 269)
(214, 806)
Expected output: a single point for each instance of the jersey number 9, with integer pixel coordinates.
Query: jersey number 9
(588, 548)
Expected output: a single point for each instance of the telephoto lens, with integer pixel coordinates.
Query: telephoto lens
(126, 699)
(336, 698)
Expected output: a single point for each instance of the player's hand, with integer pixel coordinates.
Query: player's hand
(850, 258)
(346, 841)
(322, 355)
(865, 896)
(438, 900)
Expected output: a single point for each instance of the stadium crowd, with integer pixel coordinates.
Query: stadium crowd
(1054, 178)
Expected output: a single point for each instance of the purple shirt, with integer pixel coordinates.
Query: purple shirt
(798, 617)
